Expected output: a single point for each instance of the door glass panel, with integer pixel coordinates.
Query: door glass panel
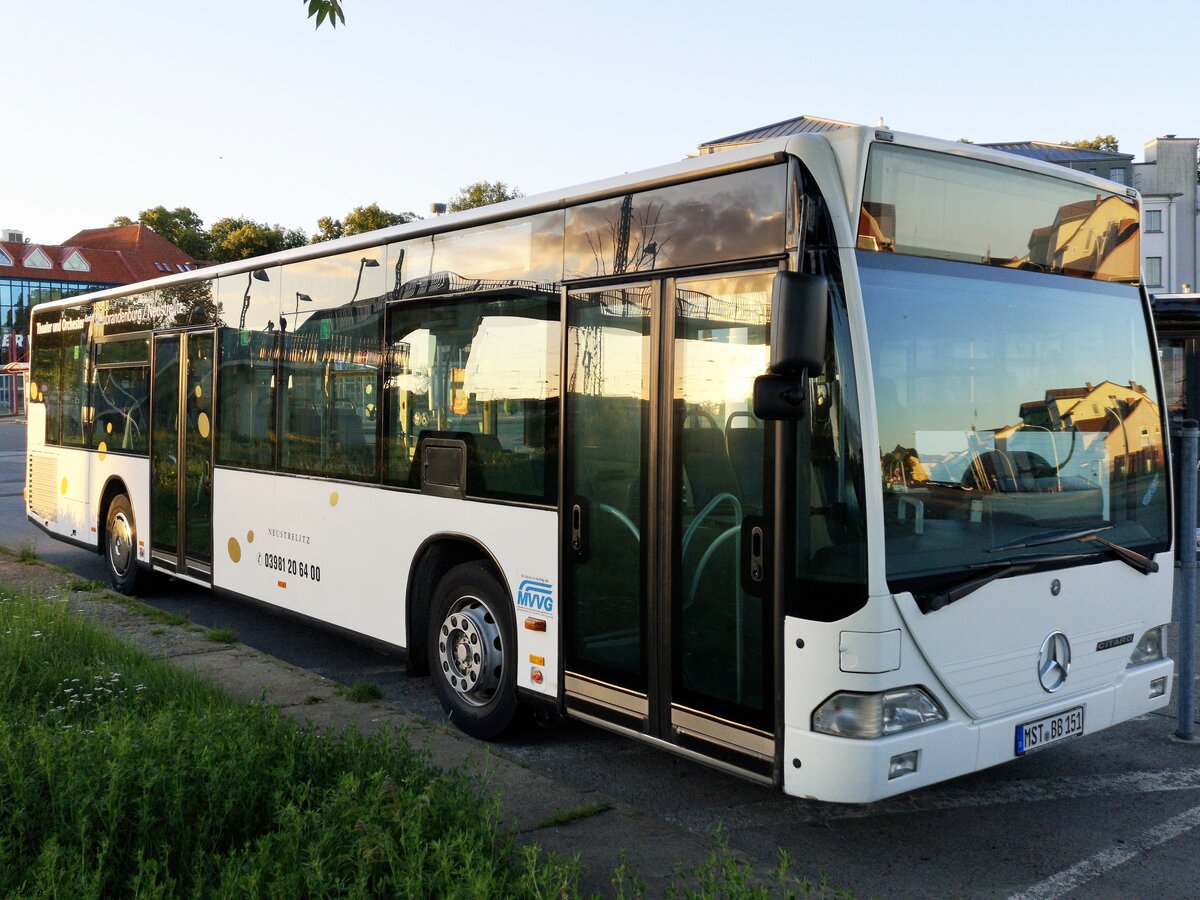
(164, 452)
(721, 622)
(198, 443)
(607, 417)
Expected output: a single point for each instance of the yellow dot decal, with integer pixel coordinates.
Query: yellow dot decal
(249, 537)
(202, 424)
(102, 448)
(63, 487)
(33, 394)
(199, 394)
(108, 427)
(235, 550)
(370, 389)
(333, 498)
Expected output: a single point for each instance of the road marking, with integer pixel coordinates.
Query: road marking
(1095, 866)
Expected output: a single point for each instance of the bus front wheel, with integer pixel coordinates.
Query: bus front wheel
(120, 551)
(472, 647)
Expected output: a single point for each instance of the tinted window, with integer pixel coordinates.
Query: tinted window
(943, 206)
(46, 371)
(731, 217)
(76, 411)
(120, 395)
(245, 403)
(483, 370)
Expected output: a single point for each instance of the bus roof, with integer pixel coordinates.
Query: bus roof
(849, 144)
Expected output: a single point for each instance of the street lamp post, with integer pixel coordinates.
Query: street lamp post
(365, 263)
(260, 275)
(296, 311)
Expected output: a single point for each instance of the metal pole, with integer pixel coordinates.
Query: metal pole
(1186, 679)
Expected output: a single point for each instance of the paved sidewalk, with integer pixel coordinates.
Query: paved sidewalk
(602, 839)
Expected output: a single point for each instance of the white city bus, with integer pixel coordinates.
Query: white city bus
(835, 461)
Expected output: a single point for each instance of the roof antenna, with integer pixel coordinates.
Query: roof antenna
(882, 124)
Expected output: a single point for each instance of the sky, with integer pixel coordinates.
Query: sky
(242, 108)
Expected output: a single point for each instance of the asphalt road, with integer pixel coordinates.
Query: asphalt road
(1115, 814)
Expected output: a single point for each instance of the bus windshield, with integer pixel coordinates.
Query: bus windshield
(1012, 405)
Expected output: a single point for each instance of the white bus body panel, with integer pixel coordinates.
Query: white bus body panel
(982, 667)
(64, 487)
(346, 551)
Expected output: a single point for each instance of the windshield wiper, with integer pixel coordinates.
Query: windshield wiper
(1052, 537)
(1143, 564)
(1001, 568)
(937, 600)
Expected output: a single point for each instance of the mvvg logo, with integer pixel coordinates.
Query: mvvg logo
(536, 596)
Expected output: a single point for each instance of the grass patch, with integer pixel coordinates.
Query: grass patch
(311, 699)
(363, 691)
(84, 586)
(222, 635)
(121, 776)
(567, 816)
(145, 610)
(27, 555)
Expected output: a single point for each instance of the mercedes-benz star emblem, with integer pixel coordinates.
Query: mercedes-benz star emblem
(1054, 662)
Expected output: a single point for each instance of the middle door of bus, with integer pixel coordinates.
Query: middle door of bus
(668, 479)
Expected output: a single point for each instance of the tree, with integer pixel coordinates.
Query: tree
(330, 10)
(483, 193)
(241, 238)
(328, 229)
(359, 220)
(1106, 142)
(180, 226)
(362, 219)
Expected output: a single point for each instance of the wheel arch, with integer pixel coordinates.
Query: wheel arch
(114, 486)
(436, 556)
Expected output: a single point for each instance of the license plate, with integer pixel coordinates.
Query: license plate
(1049, 730)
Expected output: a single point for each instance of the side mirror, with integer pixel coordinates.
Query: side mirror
(799, 328)
(799, 323)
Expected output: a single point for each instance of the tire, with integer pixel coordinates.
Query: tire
(472, 651)
(120, 545)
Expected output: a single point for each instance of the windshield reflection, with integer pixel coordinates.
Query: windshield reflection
(1010, 404)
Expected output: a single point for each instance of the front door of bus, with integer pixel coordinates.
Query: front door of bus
(181, 454)
(667, 478)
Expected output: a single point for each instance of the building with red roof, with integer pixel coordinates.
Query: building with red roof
(91, 260)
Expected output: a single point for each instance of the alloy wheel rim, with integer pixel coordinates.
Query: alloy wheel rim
(470, 650)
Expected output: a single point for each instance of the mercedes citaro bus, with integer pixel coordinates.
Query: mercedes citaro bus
(835, 461)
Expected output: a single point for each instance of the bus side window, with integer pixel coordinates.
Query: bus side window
(482, 366)
(245, 383)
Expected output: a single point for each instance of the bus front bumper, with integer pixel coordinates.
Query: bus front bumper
(849, 770)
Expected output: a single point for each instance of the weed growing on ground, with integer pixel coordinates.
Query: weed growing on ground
(363, 691)
(83, 586)
(222, 635)
(574, 814)
(26, 554)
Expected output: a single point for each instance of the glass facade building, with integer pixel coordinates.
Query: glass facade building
(18, 296)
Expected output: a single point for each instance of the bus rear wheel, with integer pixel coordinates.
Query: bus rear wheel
(472, 648)
(120, 551)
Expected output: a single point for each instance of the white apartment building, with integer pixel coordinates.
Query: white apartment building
(1170, 202)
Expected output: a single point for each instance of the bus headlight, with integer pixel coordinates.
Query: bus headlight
(854, 715)
(1151, 648)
